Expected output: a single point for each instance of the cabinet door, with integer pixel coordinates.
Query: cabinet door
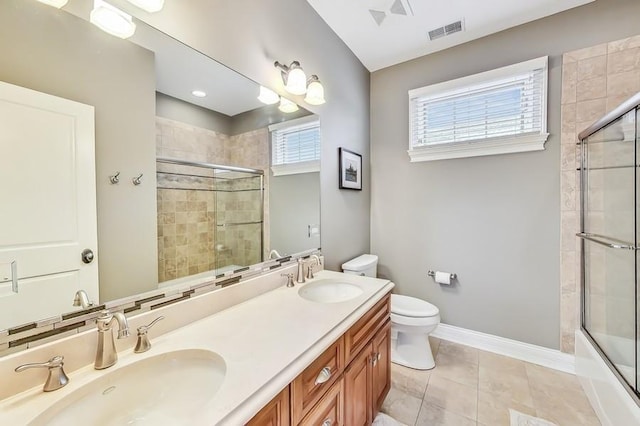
(275, 413)
(381, 367)
(357, 389)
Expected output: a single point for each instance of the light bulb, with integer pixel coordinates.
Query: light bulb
(315, 92)
(112, 20)
(287, 106)
(296, 80)
(268, 96)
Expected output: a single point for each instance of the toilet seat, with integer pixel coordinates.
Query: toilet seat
(412, 307)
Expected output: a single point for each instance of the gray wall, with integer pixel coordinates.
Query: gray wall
(179, 110)
(289, 218)
(493, 220)
(248, 36)
(59, 54)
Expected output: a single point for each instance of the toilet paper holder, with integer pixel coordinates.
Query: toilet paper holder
(433, 274)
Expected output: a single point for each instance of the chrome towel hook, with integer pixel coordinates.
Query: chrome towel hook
(137, 180)
(115, 179)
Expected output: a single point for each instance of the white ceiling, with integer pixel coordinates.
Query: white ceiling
(382, 33)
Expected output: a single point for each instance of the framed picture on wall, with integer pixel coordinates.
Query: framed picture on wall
(350, 170)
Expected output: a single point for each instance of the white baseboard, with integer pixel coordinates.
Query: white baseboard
(523, 351)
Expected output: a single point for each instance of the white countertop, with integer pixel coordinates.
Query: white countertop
(265, 342)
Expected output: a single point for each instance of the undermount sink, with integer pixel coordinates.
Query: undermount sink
(329, 291)
(166, 389)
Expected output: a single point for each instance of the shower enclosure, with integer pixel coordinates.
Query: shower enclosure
(609, 240)
(210, 218)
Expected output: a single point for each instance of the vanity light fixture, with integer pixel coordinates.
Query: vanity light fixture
(268, 96)
(112, 20)
(315, 91)
(55, 3)
(293, 77)
(150, 6)
(199, 93)
(287, 106)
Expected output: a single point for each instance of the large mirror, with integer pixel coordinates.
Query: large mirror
(119, 177)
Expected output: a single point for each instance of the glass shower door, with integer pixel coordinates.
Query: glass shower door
(609, 241)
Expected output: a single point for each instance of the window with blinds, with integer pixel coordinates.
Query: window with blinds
(496, 112)
(295, 146)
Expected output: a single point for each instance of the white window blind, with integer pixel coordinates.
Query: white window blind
(496, 112)
(295, 146)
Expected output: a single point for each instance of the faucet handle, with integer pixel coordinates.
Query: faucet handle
(290, 282)
(57, 377)
(143, 344)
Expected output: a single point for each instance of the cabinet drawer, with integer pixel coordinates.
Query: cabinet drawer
(329, 411)
(363, 331)
(316, 379)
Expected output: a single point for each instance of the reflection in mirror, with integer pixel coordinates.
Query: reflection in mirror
(209, 200)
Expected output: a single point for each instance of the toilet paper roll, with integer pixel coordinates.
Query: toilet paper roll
(443, 278)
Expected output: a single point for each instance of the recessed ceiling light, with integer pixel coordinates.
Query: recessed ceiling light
(199, 93)
(54, 3)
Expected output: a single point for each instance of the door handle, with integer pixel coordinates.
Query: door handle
(87, 256)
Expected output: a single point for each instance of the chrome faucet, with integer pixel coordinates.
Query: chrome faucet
(311, 264)
(106, 354)
(290, 282)
(82, 299)
(300, 276)
(56, 378)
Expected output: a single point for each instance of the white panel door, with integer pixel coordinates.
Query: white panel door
(48, 204)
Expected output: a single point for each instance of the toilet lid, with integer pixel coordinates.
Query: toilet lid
(412, 307)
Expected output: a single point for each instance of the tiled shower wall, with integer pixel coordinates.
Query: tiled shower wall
(187, 242)
(594, 81)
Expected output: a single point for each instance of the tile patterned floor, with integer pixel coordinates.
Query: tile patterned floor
(473, 387)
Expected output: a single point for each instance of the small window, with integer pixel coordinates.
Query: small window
(295, 146)
(495, 112)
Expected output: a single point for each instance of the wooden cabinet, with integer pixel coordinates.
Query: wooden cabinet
(275, 413)
(381, 367)
(314, 381)
(346, 385)
(329, 411)
(357, 387)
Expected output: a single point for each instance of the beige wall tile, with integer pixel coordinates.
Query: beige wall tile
(623, 85)
(593, 88)
(624, 60)
(592, 68)
(587, 52)
(569, 80)
(590, 111)
(625, 43)
(568, 117)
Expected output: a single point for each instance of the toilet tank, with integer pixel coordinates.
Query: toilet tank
(365, 265)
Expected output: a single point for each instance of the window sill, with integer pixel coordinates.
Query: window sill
(296, 168)
(495, 146)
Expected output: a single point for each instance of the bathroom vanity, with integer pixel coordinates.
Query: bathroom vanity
(316, 353)
(345, 385)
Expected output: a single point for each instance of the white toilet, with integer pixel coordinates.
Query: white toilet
(412, 320)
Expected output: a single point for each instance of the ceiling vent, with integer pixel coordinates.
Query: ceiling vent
(454, 27)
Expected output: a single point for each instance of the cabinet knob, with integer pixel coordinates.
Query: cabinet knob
(324, 376)
(327, 422)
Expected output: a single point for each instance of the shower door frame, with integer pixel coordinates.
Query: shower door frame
(629, 105)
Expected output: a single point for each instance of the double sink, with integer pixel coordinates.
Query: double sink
(167, 388)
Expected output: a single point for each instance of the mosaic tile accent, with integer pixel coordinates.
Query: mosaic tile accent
(594, 81)
(32, 334)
